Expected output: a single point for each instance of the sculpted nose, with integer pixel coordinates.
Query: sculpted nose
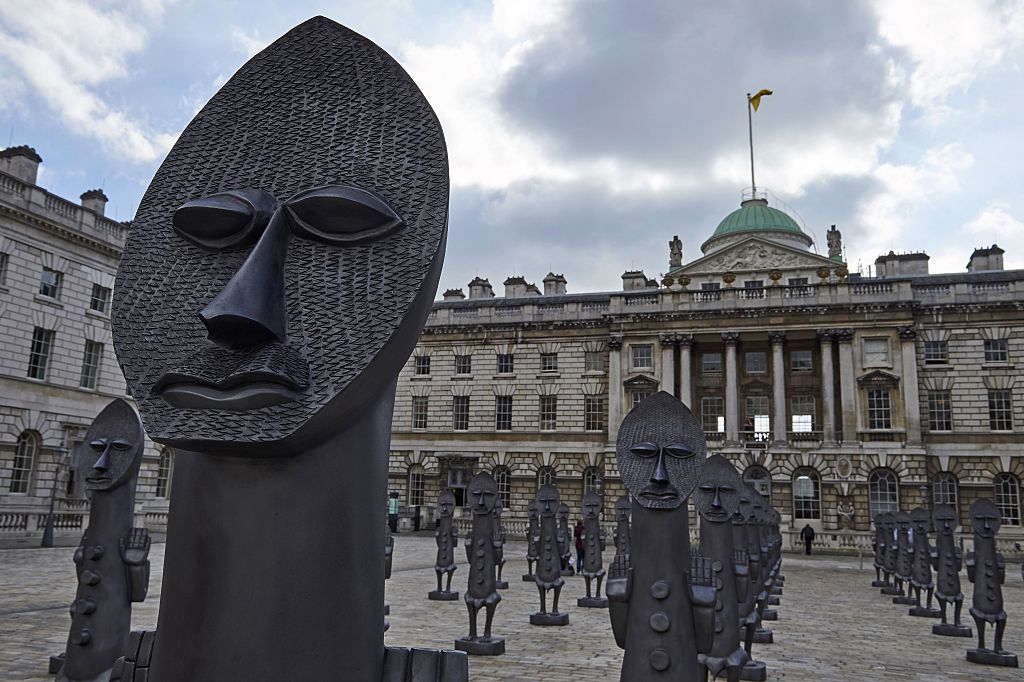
(103, 463)
(660, 474)
(717, 501)
(249, 310)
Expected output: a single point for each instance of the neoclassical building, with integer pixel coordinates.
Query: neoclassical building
(837, 395)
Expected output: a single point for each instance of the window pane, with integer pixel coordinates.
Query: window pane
(463, 364)
(594, 413)
(1000, 410)
(39, 354)
(643, 356)
(49, 283)
(638, 397)
(545, 476)
(879, 409)
(712, 414)
(100, 298)
(422, 364)
(506, 363)
(415, 488)
(802, 408)
(996, 350)
(711, 363)
(883, 493)
(92, 357)
(25, 452)
(876, 351)
(503, 477)
(503, 413)
(936, 353)
(1007, 493)
(163, 474)
(592, 480)
(806, 497)
(549, 362)
(801, 361)
(548, 412)
(595, 361)
(419, 412)
(940, 411)
(944, 490)
(3, 268)
(757, 362)
(756, 419)
(460, 412)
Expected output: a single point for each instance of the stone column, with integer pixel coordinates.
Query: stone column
(778, 340)
(614, 387)
(847, 385)
(828, 383)
(732, 394)
(911, 395)
(668, 363)
(686, 370)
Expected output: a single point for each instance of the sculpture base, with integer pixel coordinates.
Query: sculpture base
(878, 583)
(387, 609)
(773, 600)
(770, 614)
(501, 585)
(989, 657)
(592, 602)
(756, 671)
(904, 601)
(529, 578)
(950, 630)
(925, 612)
(549, 619)
(764, 636)
(890, 590)
(493, 646)
(441, 595)
(424, 665)
(56, 663)
(777, 589)
(566, 572)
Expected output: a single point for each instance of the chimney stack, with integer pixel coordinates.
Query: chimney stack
(480, 288)
(22, 162)
(454, 295)
(554, 284)
(94, 200)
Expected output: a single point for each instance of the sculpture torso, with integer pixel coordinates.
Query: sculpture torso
(592, 563)
(716, 544)
(549, 561)
(921, 573)
(622, 537)
(446, 536)
(904, 556)
(947, 575)
(482, 558)
(988, 592)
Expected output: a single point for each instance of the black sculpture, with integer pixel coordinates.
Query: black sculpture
(660, 451)
(879, 545)
(948, 560)
(762, 519)
(564, 536)
(499, 547)
(275, 280)
(111, 562)
(921, 569)
(986, 568)
(717, 621)
(447, 538)
(904, 559)
(891, 556)
(389, 551)
(482, 547)
(532, 540)
(621, 539)
(595, 543)
(756, 594)
(549, 560)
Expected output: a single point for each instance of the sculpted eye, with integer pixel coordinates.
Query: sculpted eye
(121, 445)
(225, 219)
(98, 444)
(679, 451)
(339, 214)
(644, 449)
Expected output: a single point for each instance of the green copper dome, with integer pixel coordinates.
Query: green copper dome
(755, 216)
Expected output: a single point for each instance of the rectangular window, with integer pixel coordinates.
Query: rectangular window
(753, 288)
(506, 363)
(997, 350)
(709, 291)
(711, 363)
(1000, 409)
(503, 413)
(876, 352)
(936, 353)
(549, 362)
(879, 409)
(637, 397)
(643, 356)
(460, 413)
(419, 411)
(802, 407)
(757, 420)
(99, 300)
(548, 412)
(49, 283)
(712, 414)
(940, 411)
(91, 360)
(756, 361)
(463, 364)
(422, 365)
(3, 268)
(595, 361)
(39, 354)
(416, 487)
(797, 281)
(594, 413)
(801, 361)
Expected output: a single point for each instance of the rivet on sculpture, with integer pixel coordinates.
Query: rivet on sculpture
(621, 539)
(921, 569)
(548, 575)
(948, 561)
(891, 555)
(111, 563)
(482, 547)
(447, 537)
(986, 568)
(532, 540)
(276, 278)
(594, 543)
(904, 559)
(659, 451)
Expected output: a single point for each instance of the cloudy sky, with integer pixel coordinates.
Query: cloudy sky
(583, 134)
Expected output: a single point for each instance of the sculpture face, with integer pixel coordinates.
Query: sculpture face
(902, 521)
(445, 504)
(112, 450)
(483, 492)
(548, 500)
(284, 258)
(531, 510)
(919, 520)
(985, 518)
(718, 493)
(622, 508)
(563, 512)
(742, 512)
(660, 452)
(945, 519)
(591, 505)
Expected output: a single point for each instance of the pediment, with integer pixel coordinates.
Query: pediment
(641, 382)
(878, 378)
(755, 254)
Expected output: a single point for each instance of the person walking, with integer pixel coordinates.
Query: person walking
(807, 535)
(581, 548)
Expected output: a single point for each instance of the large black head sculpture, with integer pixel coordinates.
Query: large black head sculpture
(532, 509)
(985, 518)
(548, 501)
(445, 503)
(591, 505)
(112, 450)
(660, 451)
(286, 254)
(945, 519)
(622, 508)
(483, 494)
(919, 519)
(719, 490)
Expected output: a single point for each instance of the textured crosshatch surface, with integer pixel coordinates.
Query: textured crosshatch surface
(321, 105)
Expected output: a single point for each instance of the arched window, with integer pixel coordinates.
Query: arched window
(592, 480)
(163, 473)
(1007, 490)
(25, 452)
(414, 494)
(503, 477)
(758, 477)
(545, 476)
(944, 489)
(806, 494)
(883, 492)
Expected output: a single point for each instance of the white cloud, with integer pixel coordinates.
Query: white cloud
(247, 42)
(996, 221)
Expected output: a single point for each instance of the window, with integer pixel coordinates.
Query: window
(801, 361)
(996, 350)
(414, 491)
(1000, 409)
(637, 397)
(506, 363)
(802, 408)
(753, 288)
(91, 360)
(759, 478)
(806, 495)
(49, 283)
(503, 477)
(709, 291)
(503, 413)
(3, 268)
(944, 490)
(876, 352)
(595, 361)
(422, 365)
(1007, 490)
(100, 298)
(940, 411)
(797, 281)
(419, 411)
(594, 413)
(548, 412)
(592, 480)
(883, 493)
(163, 473)
(936, 353)
(757, 420)
(25, 452)
(545, 476)
(756, 361)
(879, 409)
(463, 364)
(460, 413)
(712, 414)
(549, 362)
(711, 363)
(643, 356)
(39, 355)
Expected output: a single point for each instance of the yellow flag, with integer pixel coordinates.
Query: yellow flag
(755, 101)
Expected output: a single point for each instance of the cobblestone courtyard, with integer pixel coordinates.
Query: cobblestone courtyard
(832, 625)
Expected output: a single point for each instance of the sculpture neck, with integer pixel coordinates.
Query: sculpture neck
(111, 511)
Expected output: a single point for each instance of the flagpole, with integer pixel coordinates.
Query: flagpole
(750, 130)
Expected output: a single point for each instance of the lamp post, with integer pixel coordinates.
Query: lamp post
(48, 530)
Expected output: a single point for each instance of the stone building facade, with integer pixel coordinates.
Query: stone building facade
(838, 395)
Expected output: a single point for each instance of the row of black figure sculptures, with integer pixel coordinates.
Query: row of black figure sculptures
(904, 561)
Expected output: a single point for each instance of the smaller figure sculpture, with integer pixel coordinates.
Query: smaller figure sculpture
(879, 545)
(549, 561)
(447, 536)
(499, 546)
(921, 570)
(904, 559)
(389, 550)
(675, 250)
(891, 555)
(481, 552)
(594, 539)
(845, 512)
(948, 560)
(756, 595)
(834, 239)
(621, 538)
(565, 540)
(532, 538)
(986, 568)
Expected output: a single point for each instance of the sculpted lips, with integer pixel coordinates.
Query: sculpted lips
(660, 492)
